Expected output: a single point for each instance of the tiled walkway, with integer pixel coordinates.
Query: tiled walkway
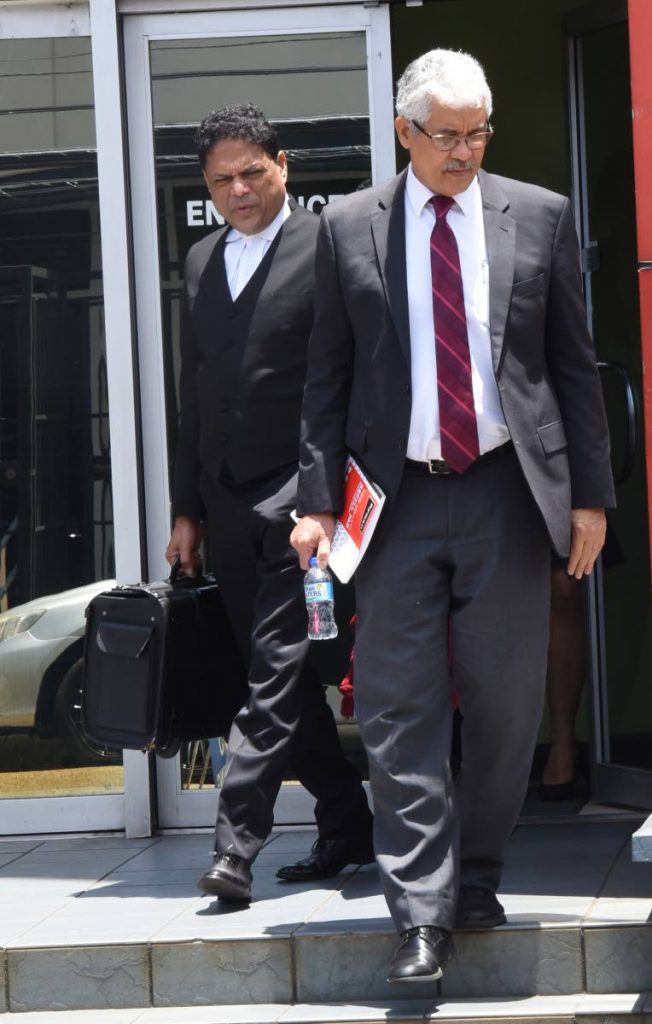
(111, 922)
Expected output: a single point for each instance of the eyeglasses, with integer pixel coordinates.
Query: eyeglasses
(446, 141)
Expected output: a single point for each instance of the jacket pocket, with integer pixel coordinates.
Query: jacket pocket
(529, 285)
(552, 437)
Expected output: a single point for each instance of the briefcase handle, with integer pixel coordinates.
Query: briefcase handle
(177, 577)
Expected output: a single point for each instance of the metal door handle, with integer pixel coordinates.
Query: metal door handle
(631, 405)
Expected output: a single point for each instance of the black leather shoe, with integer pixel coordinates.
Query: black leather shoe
(421, 955)
(229, 878)
(478, 907)
(327, 858)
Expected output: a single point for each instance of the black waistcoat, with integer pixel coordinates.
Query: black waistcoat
(245, 361)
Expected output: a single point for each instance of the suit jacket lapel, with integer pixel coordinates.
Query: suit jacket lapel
(388, 231)
(500, 236)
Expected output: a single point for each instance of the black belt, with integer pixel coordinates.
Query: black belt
(439, 467)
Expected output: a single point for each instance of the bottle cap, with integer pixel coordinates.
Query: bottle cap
(312, 561)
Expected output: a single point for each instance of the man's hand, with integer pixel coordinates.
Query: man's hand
(588, 528)
(313, 534)
(184, 544)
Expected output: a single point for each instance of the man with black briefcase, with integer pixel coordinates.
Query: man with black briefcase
(246, 317)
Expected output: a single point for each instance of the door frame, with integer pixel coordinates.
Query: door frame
(611, 783)
(178, 807)
(129, 810)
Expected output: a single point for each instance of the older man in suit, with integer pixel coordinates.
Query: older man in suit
(450, 354)
(246, 317)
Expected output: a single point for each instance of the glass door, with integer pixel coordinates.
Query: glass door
(620, 599)
(323, 76)
(57, 537)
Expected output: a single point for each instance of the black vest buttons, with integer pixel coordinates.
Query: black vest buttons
(223, 438)
(228, 345)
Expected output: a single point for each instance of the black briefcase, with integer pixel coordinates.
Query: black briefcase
(161, 665)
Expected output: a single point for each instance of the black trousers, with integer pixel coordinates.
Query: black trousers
(286, 722)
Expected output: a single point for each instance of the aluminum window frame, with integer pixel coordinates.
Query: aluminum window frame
(131, 809)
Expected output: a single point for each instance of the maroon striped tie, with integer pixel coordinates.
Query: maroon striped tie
(457, 420)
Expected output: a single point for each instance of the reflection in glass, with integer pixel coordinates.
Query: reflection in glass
(313, 86)
(56, 518)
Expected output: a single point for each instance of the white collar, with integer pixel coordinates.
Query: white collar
(269, 232)
(419, 195)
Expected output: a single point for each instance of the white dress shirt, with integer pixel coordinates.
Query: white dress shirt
(467, 224)
(243, 253)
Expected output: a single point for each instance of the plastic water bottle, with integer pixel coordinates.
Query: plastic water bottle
(318, 587)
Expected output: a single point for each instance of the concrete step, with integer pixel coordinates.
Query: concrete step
(642, 842)
(630, 1008)
(117, 924)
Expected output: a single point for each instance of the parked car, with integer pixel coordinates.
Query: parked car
(41, 663)
(41, 668)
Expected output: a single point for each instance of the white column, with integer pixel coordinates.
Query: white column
(120, 349)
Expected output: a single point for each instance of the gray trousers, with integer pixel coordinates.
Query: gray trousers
(471, 554)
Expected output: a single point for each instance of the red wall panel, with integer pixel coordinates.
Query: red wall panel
(640, 43)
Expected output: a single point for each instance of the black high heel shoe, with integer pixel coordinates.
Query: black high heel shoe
(551, 792)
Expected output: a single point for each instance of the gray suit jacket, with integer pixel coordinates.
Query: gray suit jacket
(357, 395)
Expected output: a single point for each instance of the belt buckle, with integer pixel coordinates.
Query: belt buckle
(438, 467)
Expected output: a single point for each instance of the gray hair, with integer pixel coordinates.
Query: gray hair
(449, 77)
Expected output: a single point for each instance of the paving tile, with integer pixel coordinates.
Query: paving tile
(172, 856)
(618, 911)
(531, 1007)
(14, 893)
(573, 831)
(155, 876)
(107, 977)
(333, 1013)
(261, 918)
(16, 920)
(9, 858)
(515, 961)
(352, 966)
(292, 842)
(18, 846)
(107, 891)
(611, 1003)
(618, 959)
(254, 1013)
(528, 911)
(60, 934)
(629, 881)
(61, 863)
(130, 1016)
(106, 842)
(228, 971)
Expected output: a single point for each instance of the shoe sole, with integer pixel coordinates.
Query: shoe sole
(417, 978)
(225, 889)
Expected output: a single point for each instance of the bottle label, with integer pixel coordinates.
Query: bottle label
(318, 592)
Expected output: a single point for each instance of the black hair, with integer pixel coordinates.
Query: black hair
(242, 121)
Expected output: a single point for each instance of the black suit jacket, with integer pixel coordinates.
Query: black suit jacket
(358, 385)
(243, 363)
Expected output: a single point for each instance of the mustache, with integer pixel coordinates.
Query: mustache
(459, 165)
